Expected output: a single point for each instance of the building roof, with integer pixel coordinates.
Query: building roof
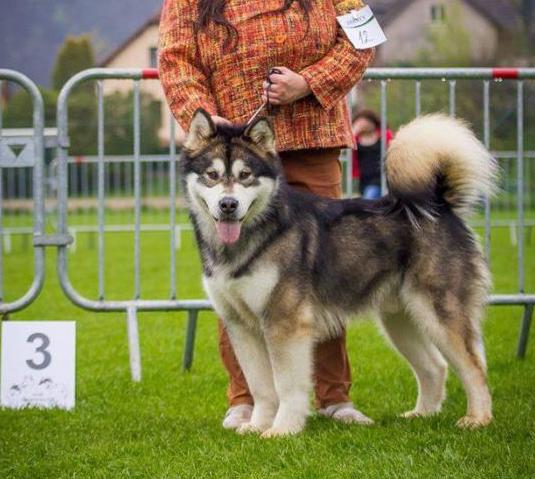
(500, 12)
(151, 22)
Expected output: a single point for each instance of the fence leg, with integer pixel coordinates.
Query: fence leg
(524, 332)
(133, 343)
(189, 346)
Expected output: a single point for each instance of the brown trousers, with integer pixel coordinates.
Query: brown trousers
(317, 171)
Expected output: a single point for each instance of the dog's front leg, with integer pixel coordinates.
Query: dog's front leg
(250, 349)
(291, 360)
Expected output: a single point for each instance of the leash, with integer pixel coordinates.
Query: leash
(267, 105)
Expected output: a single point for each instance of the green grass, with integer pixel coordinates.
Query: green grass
(169, 425)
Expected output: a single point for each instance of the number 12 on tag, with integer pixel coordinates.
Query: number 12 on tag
(38, 364)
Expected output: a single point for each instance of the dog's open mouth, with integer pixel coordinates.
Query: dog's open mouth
(228, 231)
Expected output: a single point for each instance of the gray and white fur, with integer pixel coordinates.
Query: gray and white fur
(286, 269)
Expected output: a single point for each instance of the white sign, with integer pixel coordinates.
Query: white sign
(38, 364)
(362, 28)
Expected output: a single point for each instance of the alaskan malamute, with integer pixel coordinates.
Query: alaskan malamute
(286, 269)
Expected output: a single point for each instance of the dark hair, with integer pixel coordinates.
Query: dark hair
(369, 115)
(214, 11)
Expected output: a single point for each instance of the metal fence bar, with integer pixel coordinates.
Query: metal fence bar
(38, 194)
(520, 184)
(116, 178)
(528, 309)
(74, 179)
(418, 97)
(137, 190)
(452, 101)
(159, 175)
(187, 360)
(134, 349)
(101, 252)
(346, 155)
(1, 206)
(24, 183)
(449, 73)
(486, 141)
(172, 206)
(384, 111)
(10, 183)
(85, 179)
(524, 331)
(349, 173)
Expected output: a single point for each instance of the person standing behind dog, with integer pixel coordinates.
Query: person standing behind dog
(367, 155)
(215, 54)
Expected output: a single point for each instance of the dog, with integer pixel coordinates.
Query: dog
(285, 269)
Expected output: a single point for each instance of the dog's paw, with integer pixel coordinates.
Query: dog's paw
(474, 422)
(419, 413)
(249, 428)
(281, 432)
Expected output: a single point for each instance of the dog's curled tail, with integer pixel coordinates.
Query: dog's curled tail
(435, 157)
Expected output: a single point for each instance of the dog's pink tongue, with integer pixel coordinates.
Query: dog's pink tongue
(228, 232)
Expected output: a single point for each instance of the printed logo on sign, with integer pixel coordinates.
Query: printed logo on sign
(362, 28)
(38, 364)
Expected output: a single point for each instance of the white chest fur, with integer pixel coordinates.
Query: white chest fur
(252, 290)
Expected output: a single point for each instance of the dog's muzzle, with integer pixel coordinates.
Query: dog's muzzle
(228, 226)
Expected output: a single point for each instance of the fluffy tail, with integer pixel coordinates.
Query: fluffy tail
(439, 157)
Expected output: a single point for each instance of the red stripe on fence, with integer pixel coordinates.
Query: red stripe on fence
(505, 73)
(150, 74)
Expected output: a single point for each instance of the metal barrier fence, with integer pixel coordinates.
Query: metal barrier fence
(130, 306)
(82, 177)
(486, 75)
(23, 154)
(107, 170)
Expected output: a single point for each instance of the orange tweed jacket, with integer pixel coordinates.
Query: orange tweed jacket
(195, 72)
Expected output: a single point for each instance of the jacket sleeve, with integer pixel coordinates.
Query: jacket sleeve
(185, 84)
(332, 77)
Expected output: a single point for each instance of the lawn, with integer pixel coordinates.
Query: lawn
(169, 425)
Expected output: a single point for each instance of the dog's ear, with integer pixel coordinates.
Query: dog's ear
(261, 133)
(201, 129)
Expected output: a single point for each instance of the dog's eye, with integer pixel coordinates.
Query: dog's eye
(212, 174)
(244, 174)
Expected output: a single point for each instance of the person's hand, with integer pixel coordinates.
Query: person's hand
(219, 120)
(286, 87)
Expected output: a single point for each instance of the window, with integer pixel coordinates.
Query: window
(438, 13)
(153, 57)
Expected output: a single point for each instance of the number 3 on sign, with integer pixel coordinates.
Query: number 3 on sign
(41, 349)
(38, 364)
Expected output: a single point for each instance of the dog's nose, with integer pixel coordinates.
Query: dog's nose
(228, 205)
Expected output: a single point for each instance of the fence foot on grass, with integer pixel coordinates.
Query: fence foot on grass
(133, 343)
(524, 332)
(189, 345)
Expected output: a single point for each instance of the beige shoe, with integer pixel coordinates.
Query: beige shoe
(237, 415)
(345, 412)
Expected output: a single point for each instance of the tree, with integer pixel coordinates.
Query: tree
(19, 109)
(119, 122)
(447, 45)
(76, 54)
(448, 42)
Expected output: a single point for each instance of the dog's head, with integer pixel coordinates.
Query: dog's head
(231, 173)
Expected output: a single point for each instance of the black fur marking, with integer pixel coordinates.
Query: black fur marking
(347, 249)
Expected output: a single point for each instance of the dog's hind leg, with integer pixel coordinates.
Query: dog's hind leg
(251, 352)
(455, 331)
(427, 363)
